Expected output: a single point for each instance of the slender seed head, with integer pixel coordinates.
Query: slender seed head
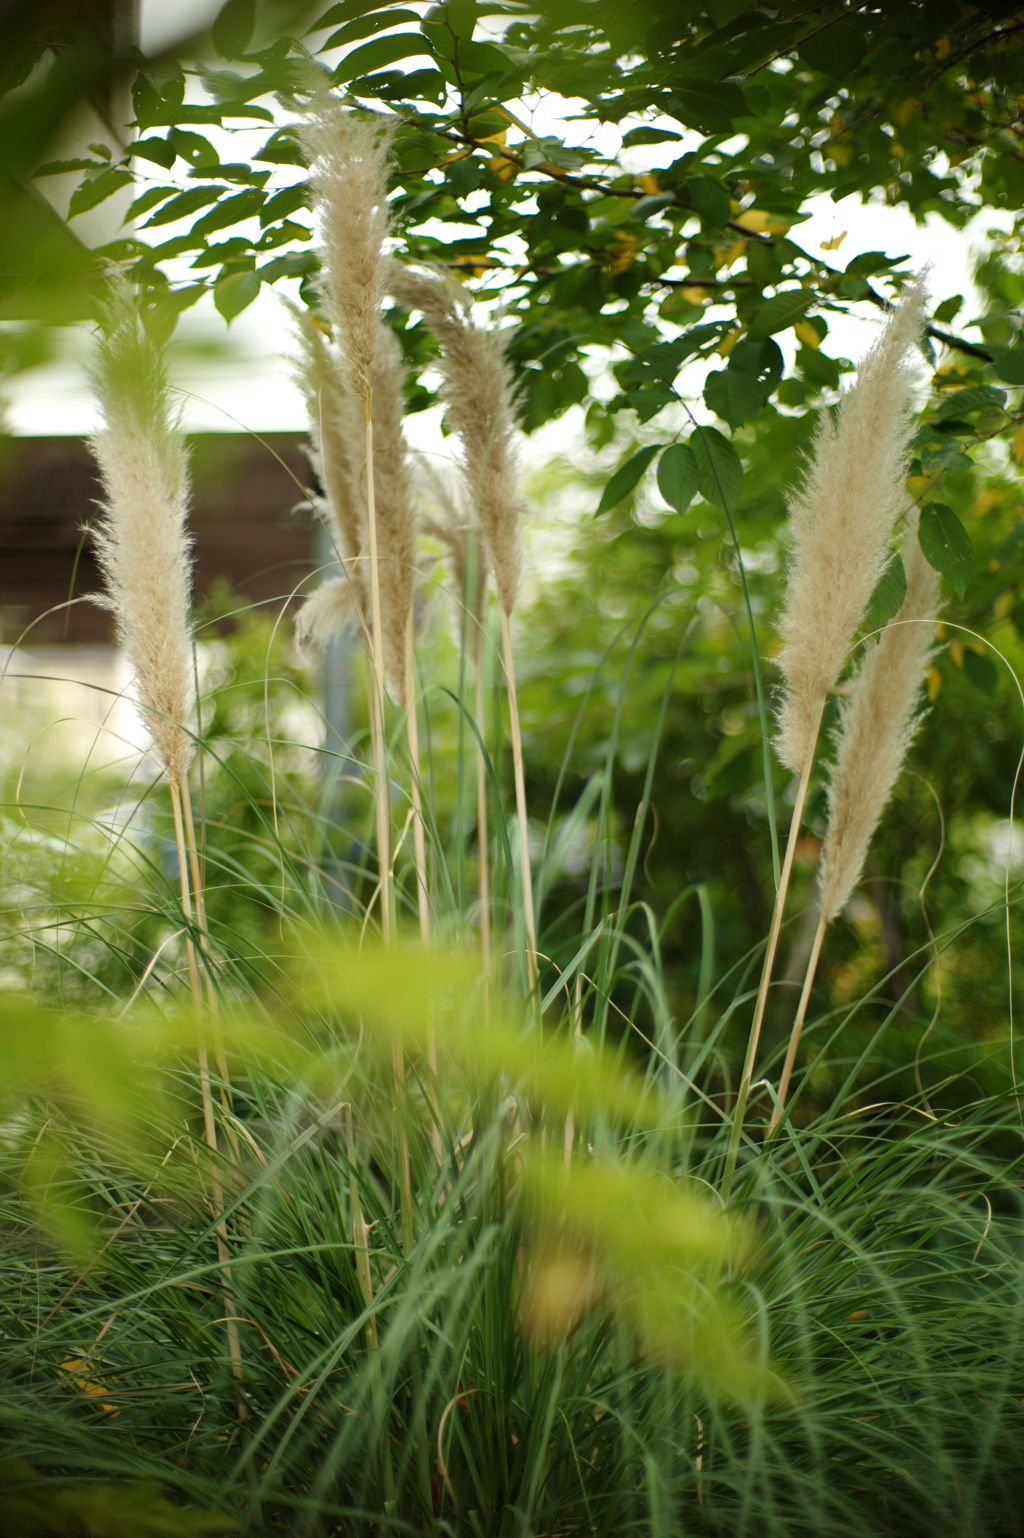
(142, 542)
(841, 522)
(448, 523)
(396, 533)
(478, 393)
(879, 718)
(349, 162)
(327, 612)
(337, 450)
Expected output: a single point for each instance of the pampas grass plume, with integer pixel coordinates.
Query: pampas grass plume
(478, 394)
(396, 534)
(878, 721)
(841, 521)
(447, 522)
(349, 159)
(141, 543)
(337, 453)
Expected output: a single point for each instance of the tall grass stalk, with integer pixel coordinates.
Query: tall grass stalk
(477, 391)
(879, 717)
(143, 549)
(349, 160)
(840, 526)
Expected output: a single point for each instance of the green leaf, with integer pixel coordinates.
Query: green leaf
(981, 671)
(869, 262)
(946, 545)
(677, 476)
(943, 455)
(96, 189)
(461, 16)
(1008, 363)
(779, 313)
(378, 54)
(184, 204)
(660, 362)
(295, 265)
(284, 203)
(348, 10)
(835, 49)
(890, 591)
(719, 472)
(366, 26)
(710, 200)
(58, 167)
(946, 311)
(646, 208)
(964, 402)
(649, 401)
(159, 151)
(625, 478)
(648, 136)
(709, 105)
(282, 149)
(232, 31)
(230, 211)
(194, 148)
(234, 293)
(149, 199)
(734, 395)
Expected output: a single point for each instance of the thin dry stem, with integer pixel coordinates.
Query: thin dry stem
(879, 717)
(178, 794)
(418, 829)
(395, 526)
(798, 1023)
(526, 877)
(482, 834)
(736, 1129)
(841, 522)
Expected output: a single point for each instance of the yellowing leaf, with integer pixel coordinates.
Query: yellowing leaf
(942, 48)
(728, 342)
(753, 219)
(934, 684)
(624, 251)
(807, 333)
(834, 243)
(956, 651)
(693, 295)
(648, 182)
(1018, 444)
(904, 110)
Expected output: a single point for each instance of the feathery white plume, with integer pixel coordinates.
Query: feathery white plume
(326, 613)
(142, 543)
(396, 539)
(348, 172)
(337, 446)
(841, 521)
(879, 718)
(447, 522)
(477, 391)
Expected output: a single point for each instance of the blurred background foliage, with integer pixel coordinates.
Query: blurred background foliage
(638, 690)
(753, 111)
